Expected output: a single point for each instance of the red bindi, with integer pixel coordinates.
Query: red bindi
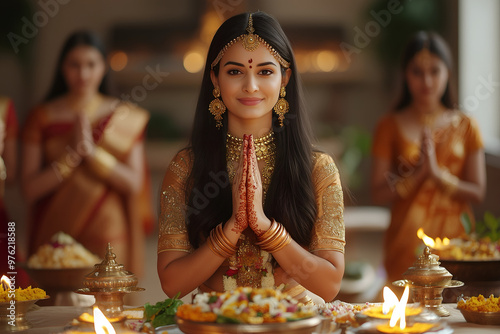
(250, 60)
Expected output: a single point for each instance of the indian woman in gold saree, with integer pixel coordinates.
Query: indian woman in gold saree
(250, 202)
(83, 160)
(428, 157)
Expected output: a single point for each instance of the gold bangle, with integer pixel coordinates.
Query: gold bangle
(306, 300)
(270, 231)
(276, 239)
(220, 232)
(211, 246)
(214, 248)
(295, 291)
(103, 162)
(286, 240)
(268, 238)
(220, 245)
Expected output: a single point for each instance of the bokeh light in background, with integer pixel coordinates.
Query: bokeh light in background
(118, 60)
(193, 61)
(313, 61)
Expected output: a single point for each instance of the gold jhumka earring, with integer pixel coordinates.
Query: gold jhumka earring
(281, 107)
(217, 108)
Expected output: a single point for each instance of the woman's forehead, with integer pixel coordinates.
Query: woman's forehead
(238, 53)
(426, 60)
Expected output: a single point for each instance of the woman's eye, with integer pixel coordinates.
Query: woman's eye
(416, 71)
(266, 72)
(233, 72)
(435, 71)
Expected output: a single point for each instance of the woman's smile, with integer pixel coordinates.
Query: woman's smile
(250, 101)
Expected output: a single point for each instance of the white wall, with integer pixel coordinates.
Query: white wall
(479, 66)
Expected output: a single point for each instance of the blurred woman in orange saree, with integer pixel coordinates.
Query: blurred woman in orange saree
(83, 160)
(428, 157)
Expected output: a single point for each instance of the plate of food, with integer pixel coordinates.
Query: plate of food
(481, 310)
(15, 304)
(61, 264)
(247, 310)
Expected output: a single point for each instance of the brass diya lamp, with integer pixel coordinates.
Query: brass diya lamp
(109, 283)
(427, 279)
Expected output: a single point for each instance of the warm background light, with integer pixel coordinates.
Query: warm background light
(327, 61)
(193, 62)
(118, 60)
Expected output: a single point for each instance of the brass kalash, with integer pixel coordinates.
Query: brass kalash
(427, 280)
(109, 283)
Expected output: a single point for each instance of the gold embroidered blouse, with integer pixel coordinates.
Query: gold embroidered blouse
(328, 232)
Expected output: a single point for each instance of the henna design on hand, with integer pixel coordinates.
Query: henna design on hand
(241, 222)
(252, 187)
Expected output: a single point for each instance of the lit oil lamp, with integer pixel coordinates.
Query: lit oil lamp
(386, 310)
(427, 280)
(399, 314)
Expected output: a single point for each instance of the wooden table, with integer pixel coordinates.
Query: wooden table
(55, 319)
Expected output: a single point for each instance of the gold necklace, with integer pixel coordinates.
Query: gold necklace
(264, 147)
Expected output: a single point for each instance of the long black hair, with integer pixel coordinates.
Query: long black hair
(290, 197)
(78, 38)
(437, 46)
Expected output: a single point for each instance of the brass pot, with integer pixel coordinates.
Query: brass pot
(427, 272)
(108, 283)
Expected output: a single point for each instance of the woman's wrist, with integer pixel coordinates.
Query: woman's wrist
(448, 181)
(264, 224)
(230, 232)
(102, 162)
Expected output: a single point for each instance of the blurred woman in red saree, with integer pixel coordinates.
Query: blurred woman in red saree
(83, 159)
(428, 157)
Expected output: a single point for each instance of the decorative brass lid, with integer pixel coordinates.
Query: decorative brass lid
(108, 276)
(427, 272)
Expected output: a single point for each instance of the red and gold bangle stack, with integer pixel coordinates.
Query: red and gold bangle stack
(275, 238)
(219, 243)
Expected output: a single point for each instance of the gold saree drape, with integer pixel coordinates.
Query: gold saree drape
(429, 206)
(84, 205)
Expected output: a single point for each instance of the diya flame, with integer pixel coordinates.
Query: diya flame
(399, 312)
(432, 243)
(398, 307)
(101, 323)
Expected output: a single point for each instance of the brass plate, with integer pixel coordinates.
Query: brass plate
(453, 284)
(304, 326)
(21, 309)
(482, 318)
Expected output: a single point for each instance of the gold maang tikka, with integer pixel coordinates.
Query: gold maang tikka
(251, 42)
